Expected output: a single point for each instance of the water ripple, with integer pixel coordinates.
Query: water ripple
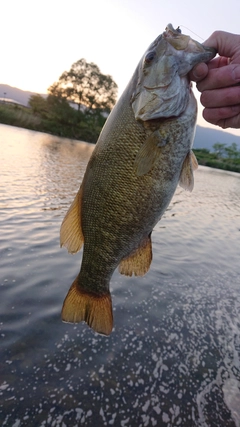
(173, 358)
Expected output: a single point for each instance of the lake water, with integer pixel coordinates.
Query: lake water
(173, 358)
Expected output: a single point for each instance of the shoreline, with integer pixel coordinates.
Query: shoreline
(23, 117)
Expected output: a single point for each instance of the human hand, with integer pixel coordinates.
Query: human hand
(219, 81)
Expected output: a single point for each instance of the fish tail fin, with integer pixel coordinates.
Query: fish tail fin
(96, 310)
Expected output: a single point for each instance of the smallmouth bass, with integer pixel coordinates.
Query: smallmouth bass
(142, 154)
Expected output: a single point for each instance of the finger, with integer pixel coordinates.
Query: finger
(221, 77)
(219, 61)
(198, 72)
(226, 44)
(233, 122)
(221, 97)
(223, 117)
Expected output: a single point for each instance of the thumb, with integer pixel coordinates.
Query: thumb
(198, 72)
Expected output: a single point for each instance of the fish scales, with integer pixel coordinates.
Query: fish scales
(128, 184)
(123, 201)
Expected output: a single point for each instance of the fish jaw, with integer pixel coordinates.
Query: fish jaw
(188, 51)
(163, 86)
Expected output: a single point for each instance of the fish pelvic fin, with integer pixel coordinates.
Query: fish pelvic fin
(194, 161)
(149, 153)
(71, 235)
(96, 310)
(139, 261)
(190, 164)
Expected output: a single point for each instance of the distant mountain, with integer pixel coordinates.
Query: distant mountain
(17, 95)
(206, 138)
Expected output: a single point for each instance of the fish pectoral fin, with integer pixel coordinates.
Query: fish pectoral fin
(139, 261)
(148, 153)
(95, 310)
(186, 179)
(71, 235)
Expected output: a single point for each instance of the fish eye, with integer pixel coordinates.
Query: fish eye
(150, 56)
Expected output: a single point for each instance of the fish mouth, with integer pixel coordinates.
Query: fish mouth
(207, 54)
(210, 50)
(152, 87)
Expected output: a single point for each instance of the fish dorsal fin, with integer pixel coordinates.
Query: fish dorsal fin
(190, 164)
(96, 310)
(148, 153)
(139, 261)
(71, 235)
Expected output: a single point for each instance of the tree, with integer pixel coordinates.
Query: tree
(60, 110)
(86, 86)
(232, 151)
(37, 103)
(219, 149)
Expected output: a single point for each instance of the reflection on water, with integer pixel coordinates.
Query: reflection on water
(173, 358)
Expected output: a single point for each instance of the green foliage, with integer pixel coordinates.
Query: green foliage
(93, 92)
(63, 120)
(87, 87)
(232, 151)
(54, 115)
(219, 149)
(38, 104)
(83, 86)
(16, 115)
(224, 151)
(220, 158)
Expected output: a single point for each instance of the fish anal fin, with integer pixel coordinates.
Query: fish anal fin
(138, 262)
(186, 179)
(96, 310)
(148, 153)
(71, 235)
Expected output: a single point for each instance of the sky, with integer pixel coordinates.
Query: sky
(41, 39)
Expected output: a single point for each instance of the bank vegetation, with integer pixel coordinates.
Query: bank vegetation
(77, 106)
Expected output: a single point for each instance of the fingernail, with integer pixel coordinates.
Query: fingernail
(196, 75)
